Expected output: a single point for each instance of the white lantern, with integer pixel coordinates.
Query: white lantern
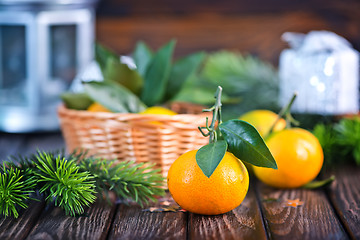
(323, 69)
(43, 45)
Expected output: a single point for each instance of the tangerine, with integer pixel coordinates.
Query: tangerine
(158, 110)
(97, 107)
(263, 120)
(298, 155)
(223, 191)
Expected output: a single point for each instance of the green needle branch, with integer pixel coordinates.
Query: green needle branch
(74, 182)
(16, 186)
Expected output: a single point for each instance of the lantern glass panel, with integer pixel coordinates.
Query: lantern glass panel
(13, 65)
(62, 64)
(63, 52)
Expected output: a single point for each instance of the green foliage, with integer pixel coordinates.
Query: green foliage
(114, 97)
(122, 74)
(128, 180)
(102, 54)
(253, 83)
(142, 56)
(246, 143)
(77, 101)
(64, 184)
(181, 71)
(319, 184)
(155, 80)
(326, 136)
(72, 183)
(340, 141)
(157, 75)
(209, 156)
(16, 186)
(237, 137)
(202, 93)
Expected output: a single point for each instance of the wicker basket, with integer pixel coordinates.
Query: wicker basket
(143, 138)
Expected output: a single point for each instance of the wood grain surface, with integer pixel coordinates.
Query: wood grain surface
(249, 34)
(54, 224)
(257, 34)
(43, 141)
(19, 228)
(131, 222)
(10, 144)
(345, 196)
(244, 222)
(315, 219)
(331, 214)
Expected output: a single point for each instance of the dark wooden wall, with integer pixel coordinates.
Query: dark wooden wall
(247, 26)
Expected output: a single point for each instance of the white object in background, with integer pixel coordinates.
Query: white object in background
(43, 45)
(323, 69)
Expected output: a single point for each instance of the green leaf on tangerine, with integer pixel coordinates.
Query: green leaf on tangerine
(209, 156)
(246, 143)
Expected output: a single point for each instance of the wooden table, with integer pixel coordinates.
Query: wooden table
(331, 213)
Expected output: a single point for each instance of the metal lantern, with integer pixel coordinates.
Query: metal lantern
(43, 45)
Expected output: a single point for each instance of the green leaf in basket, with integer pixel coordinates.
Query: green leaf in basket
(157, 74)
(102, 54)
(196, 92)
(142, 56)
(77, 101)
(209, 156)
(114, 97)
(246, 143)
(180, 71)
(121, 73)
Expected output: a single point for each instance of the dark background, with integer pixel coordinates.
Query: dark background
(253, 27)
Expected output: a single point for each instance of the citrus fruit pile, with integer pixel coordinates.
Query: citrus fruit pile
(297, 152)
(209, 187)
(213, 180)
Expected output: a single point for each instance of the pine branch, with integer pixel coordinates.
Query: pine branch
(72, 182)
(16, 186)
(340, 141)
(138, 182)
(64, 184)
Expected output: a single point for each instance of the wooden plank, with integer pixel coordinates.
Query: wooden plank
(244, 222)
(94, 224)
(10, 144)
(132, 222)
(315, 219)
(260, 33)
(239, 7)
(345, 196)
(43, 141)
(19, 228)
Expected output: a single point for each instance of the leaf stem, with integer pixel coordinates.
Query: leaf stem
(285, 111)
(216, 112)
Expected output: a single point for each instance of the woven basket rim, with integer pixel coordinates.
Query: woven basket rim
(62, 109)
